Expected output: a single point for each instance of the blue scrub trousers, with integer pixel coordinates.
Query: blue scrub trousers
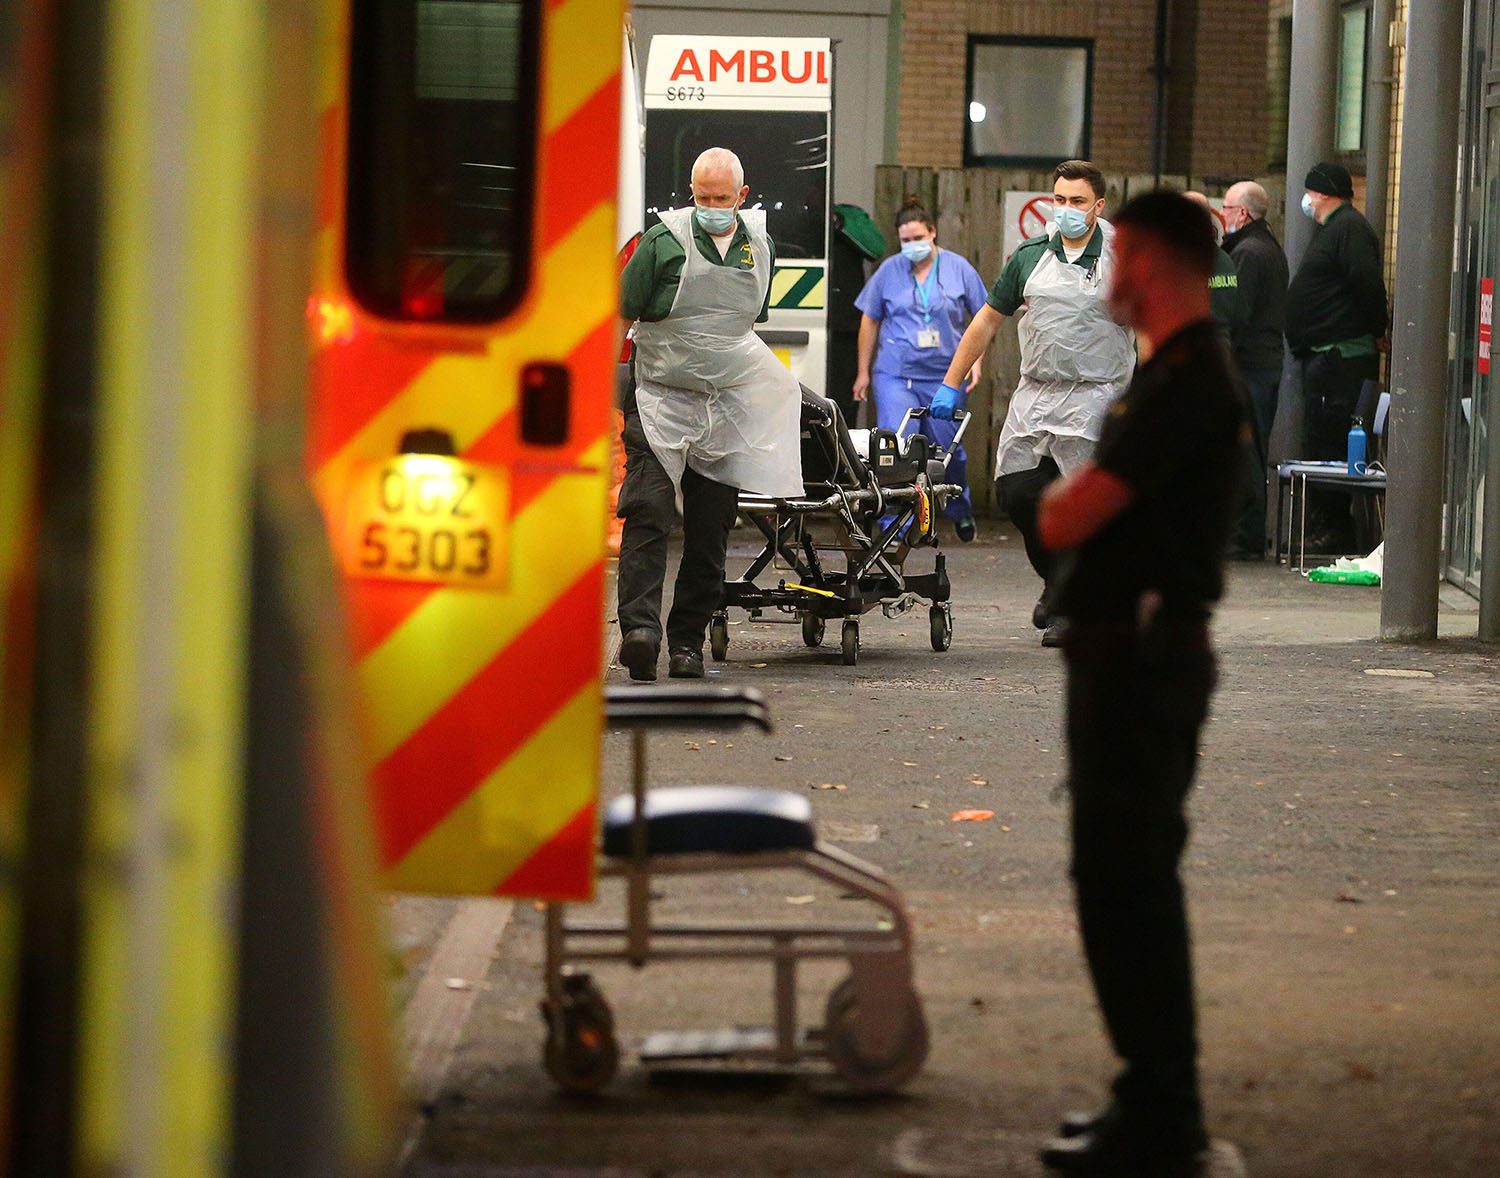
(894, 395)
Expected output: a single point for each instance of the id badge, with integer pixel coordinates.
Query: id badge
(929, 337)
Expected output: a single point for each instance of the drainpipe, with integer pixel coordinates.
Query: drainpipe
(1419, 343)
(1160, 68)
(1378, 86)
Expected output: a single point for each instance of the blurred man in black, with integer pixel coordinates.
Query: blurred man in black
(1143, 529)
(1336, 320)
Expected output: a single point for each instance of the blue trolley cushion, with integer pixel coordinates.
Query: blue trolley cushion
(730, 819)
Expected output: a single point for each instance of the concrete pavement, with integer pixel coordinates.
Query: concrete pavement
(1342, 876)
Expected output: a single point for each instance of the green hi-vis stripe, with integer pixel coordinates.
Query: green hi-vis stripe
(802, 287)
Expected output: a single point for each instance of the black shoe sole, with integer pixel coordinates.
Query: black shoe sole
(639, 658)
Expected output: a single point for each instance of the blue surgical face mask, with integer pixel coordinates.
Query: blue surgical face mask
(1071, 222)
(715, 221)
(916, 251)
(1307, 207)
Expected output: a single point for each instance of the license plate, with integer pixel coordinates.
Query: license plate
(428, 518)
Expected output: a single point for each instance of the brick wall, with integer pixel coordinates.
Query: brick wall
(1224, 80)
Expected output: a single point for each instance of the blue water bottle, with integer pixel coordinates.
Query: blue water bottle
(1357, 449)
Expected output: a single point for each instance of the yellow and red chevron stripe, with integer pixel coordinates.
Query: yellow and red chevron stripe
(482, 708)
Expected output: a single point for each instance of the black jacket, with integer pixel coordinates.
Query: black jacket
(1339, 290)
(1262, 267)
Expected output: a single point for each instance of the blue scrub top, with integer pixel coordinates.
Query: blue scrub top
(954, 295)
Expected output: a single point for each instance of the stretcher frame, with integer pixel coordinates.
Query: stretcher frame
(874, 1032)
(874, 552)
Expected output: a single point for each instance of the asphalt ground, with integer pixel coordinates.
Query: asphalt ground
(1342, 877)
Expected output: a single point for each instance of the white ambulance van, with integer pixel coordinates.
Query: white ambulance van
(770, 101)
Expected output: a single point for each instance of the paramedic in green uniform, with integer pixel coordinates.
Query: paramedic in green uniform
(1224, 302)
(712, 411)
(1075, 359)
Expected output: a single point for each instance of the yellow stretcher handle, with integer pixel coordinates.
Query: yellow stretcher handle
(810, 589)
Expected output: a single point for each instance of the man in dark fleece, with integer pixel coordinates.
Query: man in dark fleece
(1336, 320)
(1261, 265)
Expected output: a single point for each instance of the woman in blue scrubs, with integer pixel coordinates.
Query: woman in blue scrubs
(914, 310)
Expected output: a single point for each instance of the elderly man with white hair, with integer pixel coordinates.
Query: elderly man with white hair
(1262, 267)
(713, 411)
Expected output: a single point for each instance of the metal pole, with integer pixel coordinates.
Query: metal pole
(1379, 83)
(1309, 127)
(1419, 352)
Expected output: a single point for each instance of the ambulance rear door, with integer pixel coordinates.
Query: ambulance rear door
(770, 101)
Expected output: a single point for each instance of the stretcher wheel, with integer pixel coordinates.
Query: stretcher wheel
(940, 620)
(580, 1052)
(851, 642)
(813, 628)
(718, 638)
(861, 1073)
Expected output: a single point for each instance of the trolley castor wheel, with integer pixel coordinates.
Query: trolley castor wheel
(813, 628)
(851, 642)
(718, 637)
(580, 1052)
(861, 1073)
(940, 620)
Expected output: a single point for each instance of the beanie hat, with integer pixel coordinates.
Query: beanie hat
(1331, 180)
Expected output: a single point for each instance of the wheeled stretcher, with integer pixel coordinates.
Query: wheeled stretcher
(870, 497)
(874, 1032)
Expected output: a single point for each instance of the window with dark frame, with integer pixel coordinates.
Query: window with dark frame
(442, 115)
(1354, 56)
(785, 155)
(1029, 100)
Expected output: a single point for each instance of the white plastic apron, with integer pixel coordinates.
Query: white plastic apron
(1075, 360)
(711, 394)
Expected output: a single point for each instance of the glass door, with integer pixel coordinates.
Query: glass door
(1475, 371)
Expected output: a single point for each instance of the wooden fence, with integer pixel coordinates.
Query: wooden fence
(968, 205)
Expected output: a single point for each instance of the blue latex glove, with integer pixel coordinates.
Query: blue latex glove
(944, 402)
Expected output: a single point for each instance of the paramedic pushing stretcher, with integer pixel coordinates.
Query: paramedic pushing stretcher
(713, 412)
(1075, 359)
(1144, 527)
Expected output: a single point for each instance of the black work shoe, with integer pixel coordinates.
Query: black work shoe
(1056, 634)
(965, 529)
(638, 650)
(685, 663)
(1041, 616)
(1109, 1152)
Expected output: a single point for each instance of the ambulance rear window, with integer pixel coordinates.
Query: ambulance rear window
(785, 154)
(442, 110)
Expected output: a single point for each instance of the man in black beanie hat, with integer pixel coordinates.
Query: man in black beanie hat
(1336, 318)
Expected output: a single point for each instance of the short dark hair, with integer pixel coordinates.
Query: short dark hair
(913, 210)
(1080, 170)
(1175, 225)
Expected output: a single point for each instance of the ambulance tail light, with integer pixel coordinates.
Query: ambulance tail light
(546, 403)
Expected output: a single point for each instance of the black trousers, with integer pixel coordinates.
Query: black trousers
(1019, 494)
(648, 507)
(1263, 385)
(1330, 389)
(1136, 703)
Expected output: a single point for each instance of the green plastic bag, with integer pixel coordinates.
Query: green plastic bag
(1333, 575)
(861, 231)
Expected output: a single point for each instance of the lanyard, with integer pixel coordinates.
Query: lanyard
(934, 278)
